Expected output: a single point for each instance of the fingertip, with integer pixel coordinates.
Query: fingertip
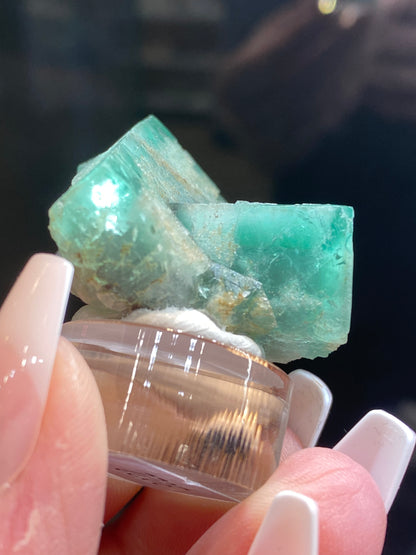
(74, 442)
(73, 379)
(352, 518)
(352, 514)
(58, 498)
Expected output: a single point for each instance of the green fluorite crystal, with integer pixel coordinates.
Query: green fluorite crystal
(144, 226)
(302, 255)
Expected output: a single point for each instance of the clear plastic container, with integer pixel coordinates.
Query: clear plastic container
(185, 413)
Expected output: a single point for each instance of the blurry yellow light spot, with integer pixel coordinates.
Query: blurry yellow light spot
(327, 6)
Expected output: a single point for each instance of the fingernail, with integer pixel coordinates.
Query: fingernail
(309, 407)
(30, 324)
(383, 445)
(290, 527)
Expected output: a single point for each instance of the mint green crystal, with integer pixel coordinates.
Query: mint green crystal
(302, 254)
(152, 154)
(144, 226)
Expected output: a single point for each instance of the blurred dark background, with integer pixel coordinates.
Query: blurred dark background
(278, 101)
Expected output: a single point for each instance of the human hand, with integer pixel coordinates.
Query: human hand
(54, 489)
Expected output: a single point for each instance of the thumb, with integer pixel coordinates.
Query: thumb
(52, 431)
(55, 505)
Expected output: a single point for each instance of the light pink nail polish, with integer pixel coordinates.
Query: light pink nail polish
(30, 324)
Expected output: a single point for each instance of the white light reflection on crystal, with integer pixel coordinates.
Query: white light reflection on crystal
(110, 222)
(105, 195)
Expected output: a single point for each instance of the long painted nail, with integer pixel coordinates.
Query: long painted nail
(290, 527)
(383, 445)
(30, 324)
(309, 408)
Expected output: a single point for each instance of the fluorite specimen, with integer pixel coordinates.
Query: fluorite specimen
(302, 255)
(144, 226)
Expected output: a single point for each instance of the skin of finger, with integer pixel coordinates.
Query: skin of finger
(163, 522)
(351, 512)
(56, 504)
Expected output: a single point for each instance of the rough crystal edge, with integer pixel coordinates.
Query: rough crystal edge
(205, 191)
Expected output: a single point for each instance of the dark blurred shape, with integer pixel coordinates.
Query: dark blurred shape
(391, 83)
(179, 54)
(299, 73)
(297, 77)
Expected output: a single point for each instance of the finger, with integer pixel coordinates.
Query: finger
(381, 443)
(57, 501)
(351, 512)
(53, 454)
(352, 493)
(30, 323)
(175, 516)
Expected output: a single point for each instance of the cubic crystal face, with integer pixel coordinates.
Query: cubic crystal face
(144, 226)
(302, 255)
